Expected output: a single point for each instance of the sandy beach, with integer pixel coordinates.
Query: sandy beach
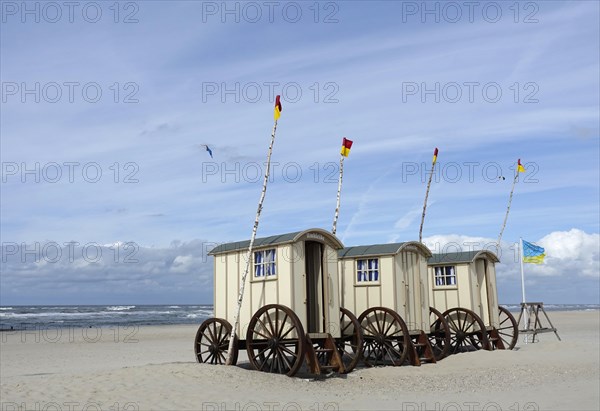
(153, 368)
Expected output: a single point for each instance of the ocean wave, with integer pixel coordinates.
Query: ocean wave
(173, 306)
(120, 307)
(5, 308)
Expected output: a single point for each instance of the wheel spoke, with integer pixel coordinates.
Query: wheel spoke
(371, 326)
(273, 332)
(264, 328)
(280, 329)
(265, 360)
(266, 337)
(288, 364)
(219, 334)
(389, 347)
(453, 325)
(389, 326)
(293, 327)
(221, 357)
(211, 336)
(286, 349)
(469, 327)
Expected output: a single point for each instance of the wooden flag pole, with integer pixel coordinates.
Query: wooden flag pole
(236, 321)
(435, 152)
(508, 207)
(339, 193)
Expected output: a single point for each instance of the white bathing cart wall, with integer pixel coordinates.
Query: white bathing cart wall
(305, 279)
(402, 281)
(465, 279)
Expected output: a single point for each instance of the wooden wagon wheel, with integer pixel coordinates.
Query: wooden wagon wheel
(508, 328)
(386, 338)
(467, 331)
(275, 340)
(350, 343)
(439, 335)
(212, 342)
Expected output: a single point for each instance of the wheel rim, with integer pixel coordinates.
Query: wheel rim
(439, 336)
(386, 338)
(212, 342)
(275, 340)
(508, 329)
(350, 343)
(467, 331)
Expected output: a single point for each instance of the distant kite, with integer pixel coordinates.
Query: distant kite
(208, 150)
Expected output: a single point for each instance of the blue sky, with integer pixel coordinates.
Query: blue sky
(109, 118)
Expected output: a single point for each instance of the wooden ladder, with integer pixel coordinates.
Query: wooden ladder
(322, 346)
(420, 350)
(496, 342)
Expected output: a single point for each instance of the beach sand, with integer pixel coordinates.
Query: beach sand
(154, 368)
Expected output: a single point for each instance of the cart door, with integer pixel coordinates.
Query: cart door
(314, 287)
(480, 295)
(492, 303)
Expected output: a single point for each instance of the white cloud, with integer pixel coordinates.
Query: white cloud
(572, 252)
(181, 271)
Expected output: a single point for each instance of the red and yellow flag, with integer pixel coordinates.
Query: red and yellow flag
(435, 153)
(277, 111)
(520, 168)
(346, 146)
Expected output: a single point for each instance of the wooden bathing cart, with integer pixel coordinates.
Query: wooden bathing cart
(463, 288)
(291, 309)
(388, 284)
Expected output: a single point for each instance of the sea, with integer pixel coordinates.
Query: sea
(27, 317)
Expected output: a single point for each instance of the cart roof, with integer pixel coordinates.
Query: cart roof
(381, 249)
(462, 257)
(277, 240)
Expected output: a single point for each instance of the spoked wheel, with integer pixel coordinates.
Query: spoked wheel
(275, 340)
(350, 343)
(508, 329)
(386, 338)
(467, 331)
(212, 342)
(439, 336)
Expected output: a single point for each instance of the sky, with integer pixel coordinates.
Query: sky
(109, 197)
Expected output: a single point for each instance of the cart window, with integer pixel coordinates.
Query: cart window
(367, 270)
(445, 275)
(264, 263)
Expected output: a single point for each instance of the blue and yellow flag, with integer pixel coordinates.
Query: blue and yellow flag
(532, 253)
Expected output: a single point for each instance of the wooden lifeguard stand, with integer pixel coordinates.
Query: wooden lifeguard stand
(533, 325)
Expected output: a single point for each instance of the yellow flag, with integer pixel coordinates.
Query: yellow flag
(277, 111)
